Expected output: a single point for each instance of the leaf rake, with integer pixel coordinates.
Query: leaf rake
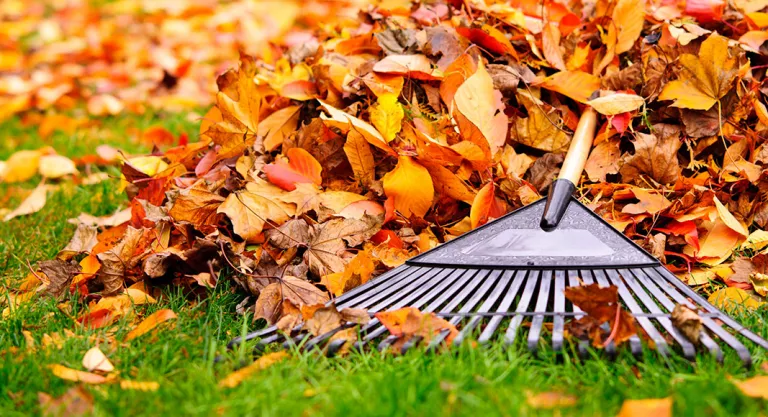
(506, 275)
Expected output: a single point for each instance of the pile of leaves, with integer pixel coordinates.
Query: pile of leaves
(331, 160)
(130, 56)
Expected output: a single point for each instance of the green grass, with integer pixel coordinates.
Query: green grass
(468, 381)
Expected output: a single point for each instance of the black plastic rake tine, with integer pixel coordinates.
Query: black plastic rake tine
(541, 307)
(659, 295)
(716, 329)
(645, 323)
(496, 293)
(525, 299)
(689, 351)
(503, 307)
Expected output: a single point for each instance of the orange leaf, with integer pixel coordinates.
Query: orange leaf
(641, 408)
(488, 37)
(235, 378)
(302, 167)
(628, 16)
(410, 186)
(577, 85)
(756, 387)
(485, 206)
(77, 376)
(150, 323)
(550, 44)
(481, 104)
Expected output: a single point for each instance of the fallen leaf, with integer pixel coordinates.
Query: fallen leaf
(661, 407)
(485, 206)
(603, 160)
(687, 322)
(410, 186)
(549, 400)
(618, 103)
(628, 16)
(705, 78)
(146, 386)
(480, 103)
(655, 156)
(21, 166)
(277, 126)
(302, 167)
(732, 298)
(360, 158)
(150, 323)
(77, 401)
(250, 209)
(32, 204)
(235, 378)
(755, 387)
(77, 376)
(387, 116)
(56, 166)
(577, 85)
(95, 360)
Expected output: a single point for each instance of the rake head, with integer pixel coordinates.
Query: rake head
(481, 287)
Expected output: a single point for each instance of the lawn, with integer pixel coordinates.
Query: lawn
(465, 381)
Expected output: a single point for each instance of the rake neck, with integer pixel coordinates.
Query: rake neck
(563, 187)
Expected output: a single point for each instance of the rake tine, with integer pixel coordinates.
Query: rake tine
(610, 349)
(250, 336)
(458, 278)
(437, 341)
(705, 339)
(414, 341)
(317, 340)
(386, 343)
(712, 309)
(388, 277)
(392, 303)
(333, 347)
(573, 281)
(715, 328)
(503, 307)
(658, 339)
(398, 288)
(488, 279)
(486, 307)
(525, 299)
(689, 351)
(558, 322)
(541, 307)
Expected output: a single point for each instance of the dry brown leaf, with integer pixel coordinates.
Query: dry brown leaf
(95, 360)
(34, 202)
(655, 156)
(77, 401)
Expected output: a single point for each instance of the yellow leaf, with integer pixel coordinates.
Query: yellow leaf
(32, 204)
(616, 103)
(705, 78)
(628, 16)
(697, 277)
(732, 298)
(756, 241)
(235, 378)
(756, 387)
(480, 103)
(760, 283)
(729, 220)
(95, 360)
(77, 376)
(387, 116)
(345, 122)
(249, 209)
(447, 183)
(360, 157)
(577, 85)
(150, 323)
(56, 166)
(661, 407)
(410, 185)
(357, 272)
(139, 385)
(21, 166)
(542, 129)
(549, 400)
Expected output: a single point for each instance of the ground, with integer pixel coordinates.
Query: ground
(467, 381)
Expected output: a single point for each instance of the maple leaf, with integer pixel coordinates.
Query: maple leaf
(327, 242)
(250, 209)
(705, 78)
(655, 156)
(409, 322)
(542, 129)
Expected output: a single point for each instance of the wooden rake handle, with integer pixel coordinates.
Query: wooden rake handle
(563, 187)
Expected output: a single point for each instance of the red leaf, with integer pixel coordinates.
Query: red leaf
(389, 236)
(302, 167)
(687, 229)
(705, 10)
